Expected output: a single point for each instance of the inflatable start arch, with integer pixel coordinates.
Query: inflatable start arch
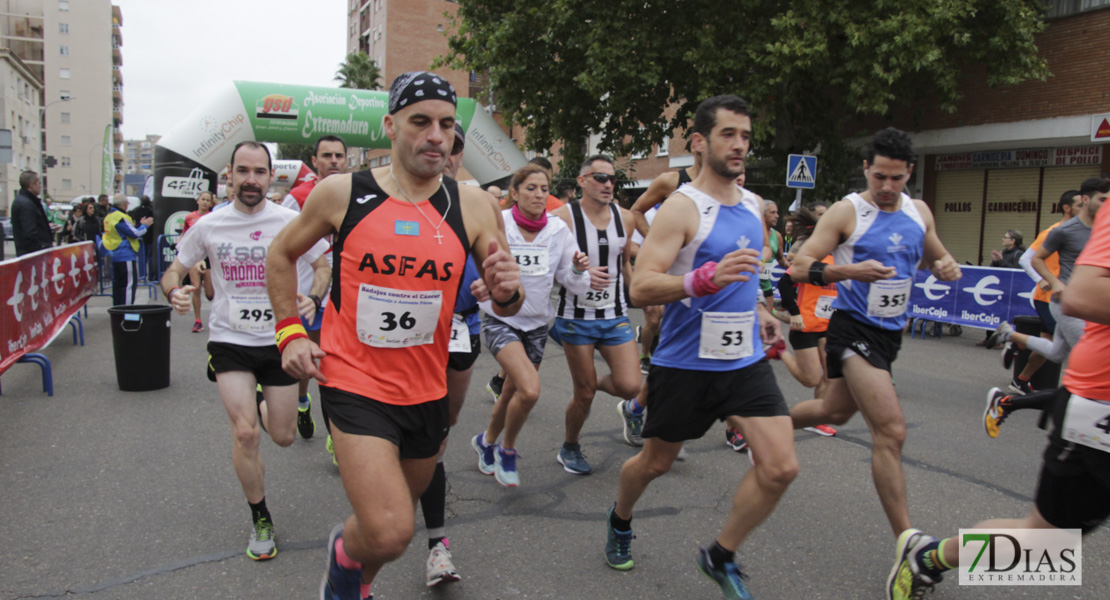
(188, 158)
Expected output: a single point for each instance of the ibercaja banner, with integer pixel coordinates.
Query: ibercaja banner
(43, 290)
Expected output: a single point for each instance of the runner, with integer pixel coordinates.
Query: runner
(383, 360)
(1066, 241)
(463, 348)
(197, 274)
(329, 157)
(241, 325)
(546, 250)
(772, 251)
(1070, 203)
(880, 237)
(703, 257)
(598, 319)
(1074, 481)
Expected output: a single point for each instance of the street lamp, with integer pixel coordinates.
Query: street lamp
(42, 139)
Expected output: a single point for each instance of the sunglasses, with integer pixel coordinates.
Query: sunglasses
(603, 178)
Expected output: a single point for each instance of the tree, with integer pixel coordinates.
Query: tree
(358, 72)
(301, 152)
(811, 69)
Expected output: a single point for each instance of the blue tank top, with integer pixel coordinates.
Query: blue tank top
(896, 239)
(466, 303)
(719, 332)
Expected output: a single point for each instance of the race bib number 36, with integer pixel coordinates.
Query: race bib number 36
(888, 298)
(251, 313)
(1087, 422)
(726, 335)
(389, 318)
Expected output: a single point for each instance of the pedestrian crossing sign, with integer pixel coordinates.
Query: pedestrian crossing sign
(801, 171)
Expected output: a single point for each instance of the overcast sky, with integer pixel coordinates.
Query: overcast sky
(173, 51)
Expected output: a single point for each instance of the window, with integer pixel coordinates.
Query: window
(66, 141)
(63, 5)
(63, 50)
(1061, 8)
(664, 147)
(63, 73)
(65, 117)
(66, 161)
(67, 184)
(63, 27)
(63, 95)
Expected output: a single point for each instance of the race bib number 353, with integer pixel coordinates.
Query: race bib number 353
(888, 297)
(727, 335)
(389, 318)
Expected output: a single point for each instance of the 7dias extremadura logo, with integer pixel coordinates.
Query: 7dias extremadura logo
(1021, 557)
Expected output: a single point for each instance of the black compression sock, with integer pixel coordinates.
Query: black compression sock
(433, 503)
(259, 511)
(720, 556)
(620, 524)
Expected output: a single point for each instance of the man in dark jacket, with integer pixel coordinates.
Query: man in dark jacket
(143, 210)
(30, 227)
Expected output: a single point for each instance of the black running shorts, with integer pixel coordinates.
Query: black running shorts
(877, 346)
(800, 340)
(263, 361)
(1074, 487)
(682, 404)
(461, 361)
(417, 429)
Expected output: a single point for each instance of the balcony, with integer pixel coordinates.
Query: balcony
(117, 156)
(117, 136)
(117, 56)
(117, 93)
(117, 77)
(117, 116)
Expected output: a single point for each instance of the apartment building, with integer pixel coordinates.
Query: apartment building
(75, 47)
(139, 155)
(19, 114)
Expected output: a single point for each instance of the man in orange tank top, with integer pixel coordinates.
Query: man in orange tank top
(402, 237)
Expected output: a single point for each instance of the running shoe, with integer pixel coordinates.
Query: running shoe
(262, 546)
(1020, 387)
(331, 451)
(728, 576)
(645, 364)
(305, 425)
(775, 352)
(485, 453)
(1000, 334)
(573, 460)
(440, 567)
(908, 579)
(734, 440)
(618, 544)
(825, 430)
(681, 454)
(1009, 353)
(996, 411)
(339, 583)
(504, 467)
(633, 424)
(494, 386)
(198, 326)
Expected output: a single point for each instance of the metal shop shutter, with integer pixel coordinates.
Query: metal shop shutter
(1011, 204)
(1058, 180)
(959, 208)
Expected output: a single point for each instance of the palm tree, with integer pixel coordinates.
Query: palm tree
(359, 72)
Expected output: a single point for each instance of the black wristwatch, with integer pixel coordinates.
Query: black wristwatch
(315, 300)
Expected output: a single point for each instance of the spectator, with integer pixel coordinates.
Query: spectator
(121, 239)
(143, 210)
(88, 225)
(102, 206)
(30, 226)
(1012, 249)
(68, 234)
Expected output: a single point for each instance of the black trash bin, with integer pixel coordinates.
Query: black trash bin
(141, 341)
(1048, 376)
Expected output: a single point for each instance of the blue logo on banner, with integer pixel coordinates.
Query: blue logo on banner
(983, 297)
(406, 227)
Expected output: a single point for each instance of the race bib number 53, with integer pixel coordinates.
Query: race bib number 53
(726, 335)
(389, 318)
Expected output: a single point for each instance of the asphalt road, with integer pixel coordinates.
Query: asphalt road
(118, 495)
